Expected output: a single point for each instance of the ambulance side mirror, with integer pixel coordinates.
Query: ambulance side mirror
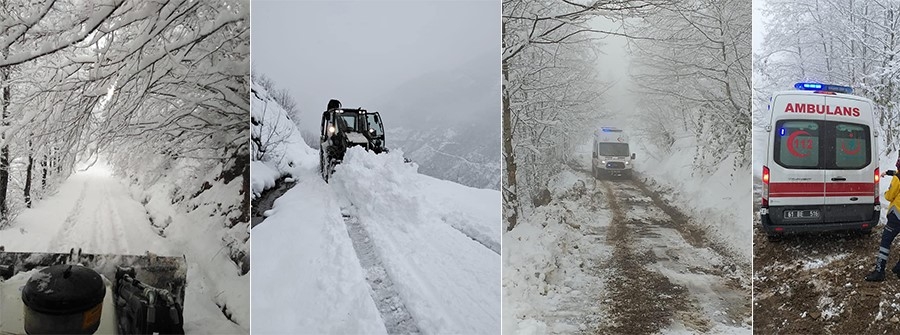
(632, 155)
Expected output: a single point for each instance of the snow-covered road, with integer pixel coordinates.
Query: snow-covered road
(610, 256)
(381, 249)
(93, 210)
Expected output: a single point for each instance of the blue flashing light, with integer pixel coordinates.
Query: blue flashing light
(782, 132)
(824, 87)
(610, 130)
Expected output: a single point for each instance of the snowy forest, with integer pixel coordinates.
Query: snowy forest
(851, 43)
(691, 66)
(148, 84)
(596, 239)
(158, 92)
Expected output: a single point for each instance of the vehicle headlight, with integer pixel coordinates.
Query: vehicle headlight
(626, 162)
(331, 129)
(604, 162)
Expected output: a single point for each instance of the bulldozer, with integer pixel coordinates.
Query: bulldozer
(342, 128)
(78, 293)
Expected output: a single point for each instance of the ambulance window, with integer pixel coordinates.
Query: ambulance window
(613, 149)
(851, 146)
(797, 144)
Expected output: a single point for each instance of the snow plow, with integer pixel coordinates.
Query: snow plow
(76, 293)
(342, 128)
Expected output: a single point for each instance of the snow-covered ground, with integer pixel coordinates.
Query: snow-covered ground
(434, 239)
(97, 211)
(623, 256)
(721, 201)
(379, 249)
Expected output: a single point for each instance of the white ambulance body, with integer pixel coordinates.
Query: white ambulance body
(821, 166)
(611, 153)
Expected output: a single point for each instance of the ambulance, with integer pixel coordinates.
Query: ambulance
(821, 165)
(611, 154)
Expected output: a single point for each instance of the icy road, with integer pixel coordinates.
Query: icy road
(94, 211)
(380, 249)
(612, 257)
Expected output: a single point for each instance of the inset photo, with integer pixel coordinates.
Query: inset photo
(124, 167)
(826, 137)
(626, 160)
(375, 145)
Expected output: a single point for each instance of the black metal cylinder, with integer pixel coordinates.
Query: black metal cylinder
(63, 299)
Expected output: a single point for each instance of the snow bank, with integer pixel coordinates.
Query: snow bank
(262, 177)
(541, 273)
(307, 277)
(435, 239)
(196, 225)
(276, 139)
(527, 259)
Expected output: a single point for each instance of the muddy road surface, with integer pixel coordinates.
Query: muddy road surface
(813, 284)
(636, 265)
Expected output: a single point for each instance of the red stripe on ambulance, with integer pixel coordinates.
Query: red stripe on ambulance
(802, 190)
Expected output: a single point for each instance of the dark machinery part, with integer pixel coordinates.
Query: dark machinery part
(143, 309)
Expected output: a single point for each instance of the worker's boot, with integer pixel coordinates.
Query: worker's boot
(875, 276)
(878, 274)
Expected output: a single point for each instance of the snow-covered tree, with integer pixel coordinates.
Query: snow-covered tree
(153, 85)
(551, 88)
(692, 68)
(852, 43)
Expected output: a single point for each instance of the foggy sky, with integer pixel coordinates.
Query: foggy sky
(758, 24)
(357, 51)
(614, 66)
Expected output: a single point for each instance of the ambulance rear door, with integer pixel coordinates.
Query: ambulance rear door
(795, 159)
(850, 165)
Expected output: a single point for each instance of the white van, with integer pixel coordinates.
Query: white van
(821, 164)
(611, 154)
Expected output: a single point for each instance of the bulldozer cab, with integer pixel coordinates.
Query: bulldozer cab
(342, 128)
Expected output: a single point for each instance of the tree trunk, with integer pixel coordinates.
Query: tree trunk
(4, 151)
(510, 190)
(245, 188)
(44, 173)
(27, 189)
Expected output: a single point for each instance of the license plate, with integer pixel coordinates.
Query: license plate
(802, 214)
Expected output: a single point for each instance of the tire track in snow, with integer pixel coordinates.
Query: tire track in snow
(657, 241)
(115, 222)
(62, 241)
(640, 301)
(397, 319)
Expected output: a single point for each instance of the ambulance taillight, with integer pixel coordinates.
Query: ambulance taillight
(765, 190)
(877, 179)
